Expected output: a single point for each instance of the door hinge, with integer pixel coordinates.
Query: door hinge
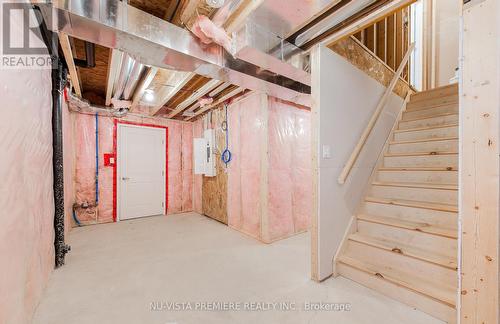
(163, 173)
(163, 204)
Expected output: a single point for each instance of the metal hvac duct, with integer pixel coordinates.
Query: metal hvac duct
(131, 71)
(156, 42)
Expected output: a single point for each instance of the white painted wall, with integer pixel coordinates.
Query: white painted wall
(344, 100)
(446, 29)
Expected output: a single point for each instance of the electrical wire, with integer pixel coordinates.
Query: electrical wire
(226, 155)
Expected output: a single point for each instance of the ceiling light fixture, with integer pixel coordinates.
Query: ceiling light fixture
(215, 3)
(149, 95)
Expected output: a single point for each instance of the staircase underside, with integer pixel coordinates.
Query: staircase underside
(404, 242)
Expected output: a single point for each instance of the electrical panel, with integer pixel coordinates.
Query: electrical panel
(210, 170)
(204, 154)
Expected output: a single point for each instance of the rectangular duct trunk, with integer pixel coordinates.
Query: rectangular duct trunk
(156, 42)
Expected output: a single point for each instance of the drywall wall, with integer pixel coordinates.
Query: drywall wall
(269, 179)
(479, 219)
(446, 29)
(344, 100)
(180, 179)
(26, 195)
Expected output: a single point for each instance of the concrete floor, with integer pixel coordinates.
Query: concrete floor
(115, 271)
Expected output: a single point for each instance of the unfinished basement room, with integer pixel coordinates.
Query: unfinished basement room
(249, 161)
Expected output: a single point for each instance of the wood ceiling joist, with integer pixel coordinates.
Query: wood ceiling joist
(191, 9)
(70, 61)
(175, 81)
(199, 93)
(223, 96)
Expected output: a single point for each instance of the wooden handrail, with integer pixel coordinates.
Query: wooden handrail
(376, 114)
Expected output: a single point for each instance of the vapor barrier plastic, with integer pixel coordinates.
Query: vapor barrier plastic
(280, 207)
(26, 193)
(289, 170)
(244, 171)
(179, 165)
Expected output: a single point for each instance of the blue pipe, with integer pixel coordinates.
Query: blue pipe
(77, 221)
(96, 159)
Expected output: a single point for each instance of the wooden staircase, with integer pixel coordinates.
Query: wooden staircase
(404, 237)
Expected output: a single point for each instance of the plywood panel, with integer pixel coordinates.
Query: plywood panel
(93, 80)
(364, 60)
(215, 188)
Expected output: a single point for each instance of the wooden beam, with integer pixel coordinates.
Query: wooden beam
(365, 21)
(180, 79)
(239, 16)
(70, 61)
(217, 102)
(141, 88)
(209, 86)
(113, 68)
(391, 42)
(479, 162)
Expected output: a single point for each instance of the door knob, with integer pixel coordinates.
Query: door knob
(125, 178)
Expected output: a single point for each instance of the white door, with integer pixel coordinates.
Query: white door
(141, 171)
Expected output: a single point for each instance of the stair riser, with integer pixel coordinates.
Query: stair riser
(418, 194)
(431, 146)
(418, 240)
(382, 258)
(434, 217)
(431, 177)
(432, 307)
(430, 112)
(429, 122)
(427, 134)
(448, 160)
(437, 93)
(425, 104)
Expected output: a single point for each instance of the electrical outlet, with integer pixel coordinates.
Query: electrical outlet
(327, 152)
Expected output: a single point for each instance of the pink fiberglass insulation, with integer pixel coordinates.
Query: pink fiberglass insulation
(208, 32)
(246, 125)
(26, 194)
(187, 166)
(289, 170)
(288, 164)
(198, 178)
(179, 164)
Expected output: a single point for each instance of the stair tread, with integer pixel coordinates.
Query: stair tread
(434, 90)
(424, 140)
(431, 106)
(429, 117)
(417, 169)
(429, 185)
(415, 226)
(406, 250)
(425, 128)
(414, 203)
(434, 290)
(432, 153)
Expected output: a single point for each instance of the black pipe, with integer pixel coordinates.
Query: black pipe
(59, 73)
(89, 61)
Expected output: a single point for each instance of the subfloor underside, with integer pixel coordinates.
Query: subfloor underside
(116, 273)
